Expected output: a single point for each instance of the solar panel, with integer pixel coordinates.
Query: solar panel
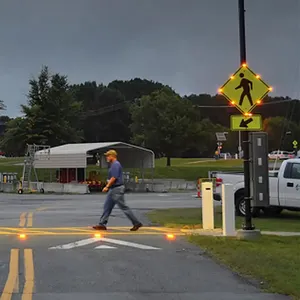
(221, 137)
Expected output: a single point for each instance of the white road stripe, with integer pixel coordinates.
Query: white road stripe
(94, 240)
(104, 247)
(129, 244)
(77, 244)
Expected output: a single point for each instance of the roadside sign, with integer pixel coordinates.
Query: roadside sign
(221, 137)
(295, 144)
(244, 89)
(240, 122)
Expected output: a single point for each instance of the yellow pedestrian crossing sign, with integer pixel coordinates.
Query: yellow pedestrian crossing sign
(245, 89)
(295, 144)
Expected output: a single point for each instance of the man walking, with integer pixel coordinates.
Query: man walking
(116, 190)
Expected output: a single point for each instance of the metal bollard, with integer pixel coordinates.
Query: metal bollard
(208, 221)
(228, 210)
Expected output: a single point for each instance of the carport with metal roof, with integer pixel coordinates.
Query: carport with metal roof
(77, 156)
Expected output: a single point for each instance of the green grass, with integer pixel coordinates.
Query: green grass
(192, 169)
(273, 260)
(9, 165)
(188, 169)
(192, 218)
(198, 162)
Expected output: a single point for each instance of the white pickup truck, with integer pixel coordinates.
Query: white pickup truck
(284, 185)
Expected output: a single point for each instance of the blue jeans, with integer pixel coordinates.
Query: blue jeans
(114, 197)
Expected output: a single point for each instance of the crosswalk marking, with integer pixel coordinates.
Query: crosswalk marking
(76, 244)
(129, 244)
(85, 242)
(104, 247)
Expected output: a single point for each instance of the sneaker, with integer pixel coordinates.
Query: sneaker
(99, 227)
(136, 227)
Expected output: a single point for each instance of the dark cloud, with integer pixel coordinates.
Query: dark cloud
(191, 45)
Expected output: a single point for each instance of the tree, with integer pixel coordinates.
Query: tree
(105, 115)
(51, 113)
(13, 141)
(165, 123)
(135, 88)
(281, 133)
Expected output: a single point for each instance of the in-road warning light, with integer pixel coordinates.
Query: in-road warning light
(22, 236)
(170, 237)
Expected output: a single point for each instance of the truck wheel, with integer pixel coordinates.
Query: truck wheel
(240, 207)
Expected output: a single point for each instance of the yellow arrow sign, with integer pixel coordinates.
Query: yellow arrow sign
(244, 89)
(240, 122)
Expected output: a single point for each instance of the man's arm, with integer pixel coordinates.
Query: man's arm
(110, 182)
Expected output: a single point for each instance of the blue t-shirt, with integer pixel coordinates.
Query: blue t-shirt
(116, 171)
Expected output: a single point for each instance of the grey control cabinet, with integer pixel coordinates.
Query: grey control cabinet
(259, 170)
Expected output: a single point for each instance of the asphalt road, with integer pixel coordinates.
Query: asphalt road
(60, 258)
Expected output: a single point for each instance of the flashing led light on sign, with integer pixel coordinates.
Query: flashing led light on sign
(220, 90)
(258, 101)
(232, 102)
(171, 237)
(231, 77)
(248, 114)
(270, 89)
(257, 76)
(244, 65)
(97, 235)
(22, 236)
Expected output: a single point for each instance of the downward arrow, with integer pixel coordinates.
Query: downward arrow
(244, 123)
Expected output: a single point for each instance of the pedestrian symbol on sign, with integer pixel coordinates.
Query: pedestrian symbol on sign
(244, 89)
(246, 85)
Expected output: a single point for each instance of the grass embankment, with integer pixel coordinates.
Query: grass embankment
(272, 260)
(192, 218)
(188, 169)
(191, 169)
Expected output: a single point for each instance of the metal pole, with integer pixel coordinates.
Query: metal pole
(240, 145)
(246, 142)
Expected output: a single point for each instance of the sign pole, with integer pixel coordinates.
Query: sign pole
(246, 142)
(240, 145)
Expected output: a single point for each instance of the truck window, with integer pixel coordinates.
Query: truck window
(288, 170)
(295, 172)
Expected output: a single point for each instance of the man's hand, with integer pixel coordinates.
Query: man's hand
(105, 189)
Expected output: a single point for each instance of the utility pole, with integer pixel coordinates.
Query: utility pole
(245, 137)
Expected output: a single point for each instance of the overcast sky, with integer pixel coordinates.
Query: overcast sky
(191, 45)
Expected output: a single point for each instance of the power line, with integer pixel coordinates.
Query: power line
(227, 106)
(118, 106)
(103, 110)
